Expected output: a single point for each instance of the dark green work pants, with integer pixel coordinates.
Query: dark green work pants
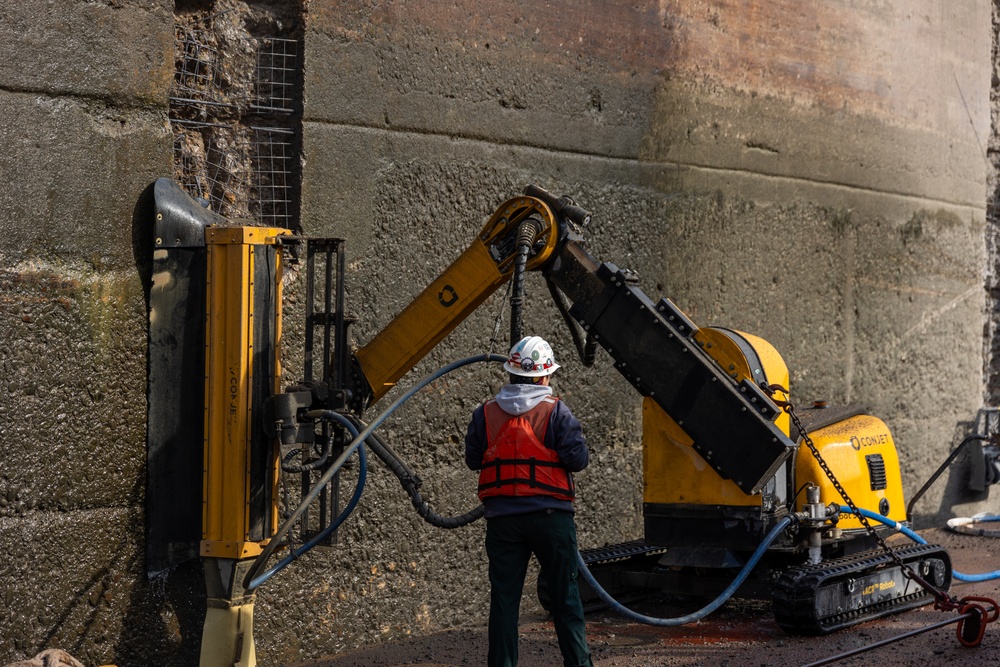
(510, 541)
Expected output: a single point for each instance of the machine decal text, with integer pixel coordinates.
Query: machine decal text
(447, 296)
(881, 586)
(857, 442)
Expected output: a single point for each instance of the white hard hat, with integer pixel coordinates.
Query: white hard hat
(531, 357)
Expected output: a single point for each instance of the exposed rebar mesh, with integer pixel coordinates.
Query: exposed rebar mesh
(273, 159)
(233, 112)
(211, 165)
(198, 75)
(277, 73)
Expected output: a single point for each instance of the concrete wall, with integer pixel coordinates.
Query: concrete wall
(83, 90)
(810, 173)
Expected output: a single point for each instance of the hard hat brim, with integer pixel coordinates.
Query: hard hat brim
(541, 372)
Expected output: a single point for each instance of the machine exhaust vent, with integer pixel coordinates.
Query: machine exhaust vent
(876, 471)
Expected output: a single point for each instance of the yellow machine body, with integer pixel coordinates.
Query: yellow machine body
(862, 452)
(242, 365)
(859, 448)
(673, 473)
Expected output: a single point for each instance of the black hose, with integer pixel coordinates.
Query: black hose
(439, 521)
(255, 577)
(384, 452)
(589, 351)
(278, 537)
(525, 239)
(564, 206)
(411, 483)
(287, 466)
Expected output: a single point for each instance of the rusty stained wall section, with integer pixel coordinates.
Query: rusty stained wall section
(631, 40)
(560, 75)
(851, 56)
(852, 84)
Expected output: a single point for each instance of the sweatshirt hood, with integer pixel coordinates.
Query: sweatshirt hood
(516, 399)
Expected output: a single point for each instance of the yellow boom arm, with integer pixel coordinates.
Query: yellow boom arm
(486, 265)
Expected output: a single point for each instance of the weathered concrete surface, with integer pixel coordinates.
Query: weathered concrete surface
(83, 90)
(835, 92)
(566, 75)
(75, 579)
(73, 390)
(121, 51)
(73, 172)
(992, 233)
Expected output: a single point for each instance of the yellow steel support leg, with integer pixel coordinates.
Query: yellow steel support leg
(228, 636)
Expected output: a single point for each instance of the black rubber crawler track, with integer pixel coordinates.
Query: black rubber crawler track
(818, 599)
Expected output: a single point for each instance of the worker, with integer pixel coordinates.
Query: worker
(527, 444)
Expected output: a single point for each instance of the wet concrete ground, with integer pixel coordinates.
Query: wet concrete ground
(740, 634)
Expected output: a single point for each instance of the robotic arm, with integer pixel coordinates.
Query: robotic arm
(654, 345)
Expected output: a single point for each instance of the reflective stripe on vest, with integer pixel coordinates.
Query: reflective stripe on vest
(516, 462)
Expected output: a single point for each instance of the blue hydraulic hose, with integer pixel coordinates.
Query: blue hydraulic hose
(359, 439)
(988, 576)
(704, 611)
(294, 552)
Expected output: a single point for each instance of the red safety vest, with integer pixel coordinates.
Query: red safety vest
(516, 462)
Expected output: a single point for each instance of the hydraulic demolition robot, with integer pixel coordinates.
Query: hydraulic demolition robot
(726, 457)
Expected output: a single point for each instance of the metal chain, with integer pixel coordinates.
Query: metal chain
(499, 320)
(907, 571)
